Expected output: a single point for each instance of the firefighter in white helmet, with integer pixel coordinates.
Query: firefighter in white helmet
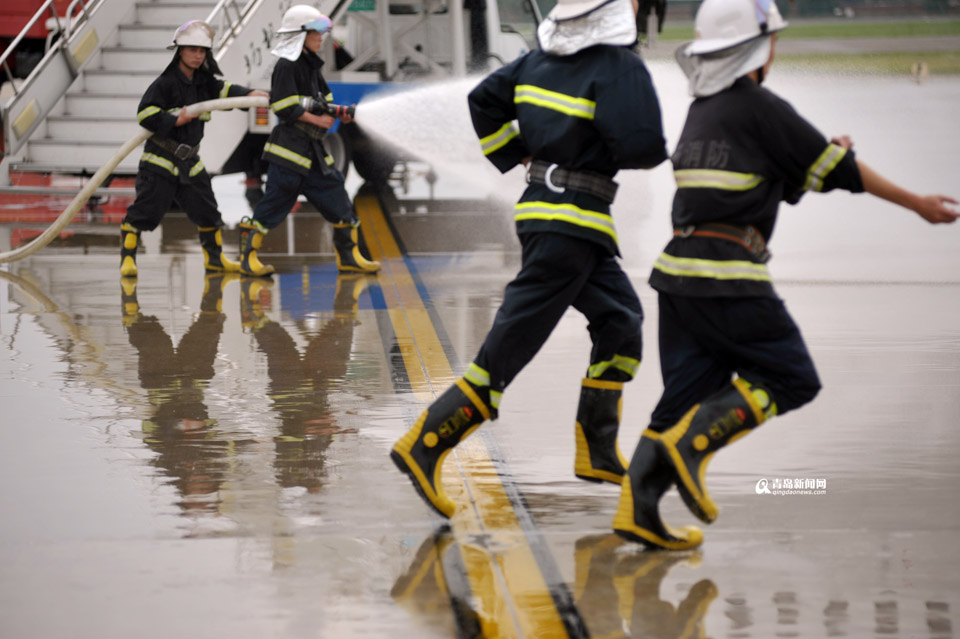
(298, 161)
(170, 167)
(731, 356)
(574, 112)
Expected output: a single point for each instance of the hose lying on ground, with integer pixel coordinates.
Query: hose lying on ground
(104, 171)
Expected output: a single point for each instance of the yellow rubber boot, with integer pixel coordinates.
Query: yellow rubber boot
(129, 240)
(598, 457)
(637, 519)
(420, 452)
(251, 238)
(214, 261)
(707, 427)
(349, 258)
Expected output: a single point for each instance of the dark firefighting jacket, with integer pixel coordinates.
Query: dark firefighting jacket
(158, 111)
(595, 110)
(292, 144)
(741, 152)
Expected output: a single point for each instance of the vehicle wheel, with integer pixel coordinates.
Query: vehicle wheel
(339, 147)
(373, 161)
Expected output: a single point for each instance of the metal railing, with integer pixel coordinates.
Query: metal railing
(64, 27)
(228, 26)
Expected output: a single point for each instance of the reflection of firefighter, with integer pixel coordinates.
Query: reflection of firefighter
(298, 161)
(300, 383)
(618, 595)
(189, 448)
(170, 168)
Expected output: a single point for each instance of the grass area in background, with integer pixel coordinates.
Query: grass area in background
(938, 63)
(845, 29)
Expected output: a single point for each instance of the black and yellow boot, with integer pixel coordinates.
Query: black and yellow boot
(346, 299)
(129, 306)
(129, 240)
(598, 457)
(251, 238)
(211, 242)
(707, 427)
(421, 451)
(252, 293)
(213, 287)
(637, 519)
(349, 257)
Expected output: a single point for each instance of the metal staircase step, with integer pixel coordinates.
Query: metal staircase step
(92, 127)
(91, 154)
(110, 81)
(172, 12)
(146, 35)
(85, 103)
(135, 59)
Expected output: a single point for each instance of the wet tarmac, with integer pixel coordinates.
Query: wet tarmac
(206, 456)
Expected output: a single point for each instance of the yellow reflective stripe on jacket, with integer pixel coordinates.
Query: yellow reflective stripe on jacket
(287, 154)
(225, 91)
(495, 397)
(161, 162)
(566, 213)
(713, 269)
(328, 97)
(820, 169)
(477, 376)
(567, 104)
(626, 364)
(288, 101)
(328, 159)
(196, 168)
(499, 139)
(713, 179)
(146, 113)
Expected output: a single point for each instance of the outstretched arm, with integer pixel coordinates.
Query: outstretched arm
(932, 208)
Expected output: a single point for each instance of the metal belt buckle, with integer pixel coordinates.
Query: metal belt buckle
(183, 151)
(687, 231)
(549, 182)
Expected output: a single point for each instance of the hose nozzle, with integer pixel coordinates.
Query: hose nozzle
(322, 107)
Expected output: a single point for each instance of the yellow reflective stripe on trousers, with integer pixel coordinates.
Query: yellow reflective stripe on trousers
(713, 179)
(566, 104)
(499, 139)
(477, 376)
(287, 154)
(626, 364)
(820, 169)
(161, 162)
(566, 213)
(146, 113)
(225, 91)
(288, 101)
(713, 269)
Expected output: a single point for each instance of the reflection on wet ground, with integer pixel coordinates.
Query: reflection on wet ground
(206, 455)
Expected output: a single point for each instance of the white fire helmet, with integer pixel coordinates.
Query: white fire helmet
(724, 24)
(303, 17)
(195, 33)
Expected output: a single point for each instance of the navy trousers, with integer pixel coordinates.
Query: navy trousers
(557, 272)
(705, 340)
(323, 188)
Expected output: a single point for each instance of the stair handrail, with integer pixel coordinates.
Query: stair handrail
(229, 27)
(65, 33)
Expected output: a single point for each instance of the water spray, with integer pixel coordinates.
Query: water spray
(104, 171)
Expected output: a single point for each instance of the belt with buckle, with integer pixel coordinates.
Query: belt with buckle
(180, 151)
(748, 236)
(312, 130)
(559, 180)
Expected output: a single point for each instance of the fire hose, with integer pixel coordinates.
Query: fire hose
(104, 171)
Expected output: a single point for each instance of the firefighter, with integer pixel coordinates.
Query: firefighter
(170, 168)
(298, 162)
(586, 108)
(731, 356)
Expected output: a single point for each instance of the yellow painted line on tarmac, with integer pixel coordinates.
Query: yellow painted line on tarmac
(510, 594)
